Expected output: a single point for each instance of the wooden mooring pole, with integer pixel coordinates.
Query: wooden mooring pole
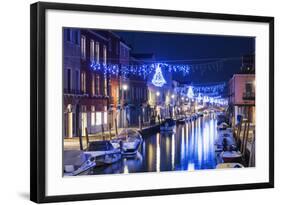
(102, 132)
(109, 129)
(87, 137)
(243, 138)
(246, 138)
(140, 123)
(116, 127)
(80, 139)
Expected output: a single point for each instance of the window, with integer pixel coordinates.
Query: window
(104, 55)
(97, 52)
(68, 79)
(68, 34)
(98, 118)
(92, 51)
(83, 82)
(110, 45)
(93, 116)
(117, 48)
(75, 37)
(93, 84)
(249, 87)
(77, 79)
(105, 85)
(83, 47)
(98, 84)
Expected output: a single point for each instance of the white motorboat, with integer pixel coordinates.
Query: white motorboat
(76, 162)
(128, 141)
(103, 152)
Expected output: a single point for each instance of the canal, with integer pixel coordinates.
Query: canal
(190, 147)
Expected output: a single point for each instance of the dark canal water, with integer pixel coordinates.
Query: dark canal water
(191, 147)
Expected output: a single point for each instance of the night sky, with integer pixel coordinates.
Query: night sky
(194, 49)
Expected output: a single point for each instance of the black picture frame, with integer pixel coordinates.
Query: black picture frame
(38, 100)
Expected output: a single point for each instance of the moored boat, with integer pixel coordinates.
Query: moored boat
(181, 121)
(200, 114)
(103, 152)
(229, 165)
(76, 162)
(128, 141)
(168, 125)
(194, 116)
(222, 126)
(231, 156)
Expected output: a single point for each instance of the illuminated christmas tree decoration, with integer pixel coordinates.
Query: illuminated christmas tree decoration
(158, 79)
(190, 93)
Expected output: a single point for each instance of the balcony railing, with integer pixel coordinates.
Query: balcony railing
(72, 92)
(249, 96)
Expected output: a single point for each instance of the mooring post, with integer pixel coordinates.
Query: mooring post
(87, 137)
(109, 127)
(243, 138)
(246, 138)
(80, 139)
(102, 132)
(140, 123)
(116, 128)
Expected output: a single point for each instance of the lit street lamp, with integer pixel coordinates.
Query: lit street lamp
(125, 87)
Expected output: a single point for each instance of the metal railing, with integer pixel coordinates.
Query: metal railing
(73, 91)
(248, 96)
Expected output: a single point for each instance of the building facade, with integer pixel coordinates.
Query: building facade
(71, 82)
(86, 90)
(242, 98)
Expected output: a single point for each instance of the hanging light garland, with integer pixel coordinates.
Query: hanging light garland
(140, 70)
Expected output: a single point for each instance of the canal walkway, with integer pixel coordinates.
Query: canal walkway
(74, 143)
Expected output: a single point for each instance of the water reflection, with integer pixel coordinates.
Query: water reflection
(191, 147)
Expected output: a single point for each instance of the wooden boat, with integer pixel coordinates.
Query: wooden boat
(231, 156)
(128, 141)
(103, 152)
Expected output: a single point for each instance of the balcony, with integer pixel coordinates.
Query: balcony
(248, 96)
(72, 92)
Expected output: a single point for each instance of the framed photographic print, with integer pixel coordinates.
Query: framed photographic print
(129, 102)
